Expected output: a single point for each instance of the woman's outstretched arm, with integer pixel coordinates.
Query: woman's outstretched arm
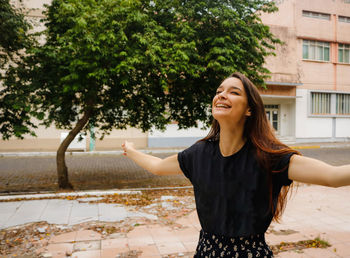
(155, 165)
(313, 171)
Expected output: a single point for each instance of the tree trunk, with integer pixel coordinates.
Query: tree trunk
(62, 171)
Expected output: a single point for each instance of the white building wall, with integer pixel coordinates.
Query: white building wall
(287, 120)
(173, 137)
(343, 128)
(310, 128)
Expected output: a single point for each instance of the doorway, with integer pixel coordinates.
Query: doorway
(272, 114)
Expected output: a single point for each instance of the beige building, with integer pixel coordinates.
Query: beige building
(308, 95)
(309, 91)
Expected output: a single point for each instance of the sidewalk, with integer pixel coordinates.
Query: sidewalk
(306, 145)
(167, 229)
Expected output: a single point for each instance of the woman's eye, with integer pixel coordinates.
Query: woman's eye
(234, 92)
(218, 92)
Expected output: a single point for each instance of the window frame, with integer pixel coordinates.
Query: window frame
(344, 19)
(316, 15)
(315, 44)
(347, 103)
(333, 104)
(344, 48)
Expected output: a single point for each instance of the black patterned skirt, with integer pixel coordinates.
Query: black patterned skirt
(210, 246)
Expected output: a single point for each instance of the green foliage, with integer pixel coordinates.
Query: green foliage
(13, 31)
(14, 108)
(136, 62)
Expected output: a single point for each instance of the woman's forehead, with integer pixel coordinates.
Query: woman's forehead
(232, 82)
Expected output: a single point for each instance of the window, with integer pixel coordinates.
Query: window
(330, 104)
(323, 16)
(343, 104)
(320, 103)
(344, 53)
(316, 50)
(344, 19)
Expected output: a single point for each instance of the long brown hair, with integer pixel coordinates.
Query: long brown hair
(259, 131)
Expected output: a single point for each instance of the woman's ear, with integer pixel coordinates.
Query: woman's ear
(248, 112)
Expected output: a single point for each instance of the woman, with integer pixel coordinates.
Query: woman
(240, 173)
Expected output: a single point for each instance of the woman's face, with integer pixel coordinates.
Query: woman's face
(230, 102)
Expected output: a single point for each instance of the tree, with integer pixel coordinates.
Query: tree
(118, 63)
(13, 30)
(13, 40)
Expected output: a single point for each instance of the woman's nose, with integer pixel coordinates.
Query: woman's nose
(222, 95)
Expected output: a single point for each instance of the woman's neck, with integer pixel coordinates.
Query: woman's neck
(231, 140)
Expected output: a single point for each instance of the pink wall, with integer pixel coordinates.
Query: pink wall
(292, 27)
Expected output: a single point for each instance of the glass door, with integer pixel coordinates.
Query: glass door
(272, 114)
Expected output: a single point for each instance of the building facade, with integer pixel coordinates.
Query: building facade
(309, 91)
(307, 97)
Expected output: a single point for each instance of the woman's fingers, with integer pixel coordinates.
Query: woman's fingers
(127, 146)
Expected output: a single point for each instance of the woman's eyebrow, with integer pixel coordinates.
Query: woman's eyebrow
(235, 88)
(231, 87)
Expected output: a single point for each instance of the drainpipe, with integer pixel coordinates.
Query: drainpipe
(92, 138)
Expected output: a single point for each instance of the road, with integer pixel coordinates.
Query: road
(87, 172)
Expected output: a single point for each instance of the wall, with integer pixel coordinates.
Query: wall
(343, 127)
(173, 137)
(307, 127)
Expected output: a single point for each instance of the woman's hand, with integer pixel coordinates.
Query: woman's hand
(127, 147)
(155, 165)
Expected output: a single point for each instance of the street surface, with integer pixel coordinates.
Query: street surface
(87, 172)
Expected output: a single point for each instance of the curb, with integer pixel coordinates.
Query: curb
(79, 153)
(14, 196)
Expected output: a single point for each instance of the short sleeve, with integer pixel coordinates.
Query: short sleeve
(186, 160)
(280, 170)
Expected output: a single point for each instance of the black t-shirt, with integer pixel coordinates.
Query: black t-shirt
(232, 193)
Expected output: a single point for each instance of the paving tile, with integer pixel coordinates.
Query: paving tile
(111, 212)
(87, 254)
(341, 249)
(113, 252)
(64, 238)
(114, 243)
(187, 235)
(87, 245)
(8, 209)
(82, 212)
(146, 250)
(140, 236)
(86, 235)
(338, 236)
(171, 248)
(140, 231)
(190, 246)
(60, 249)
(57, 211)
(185, 221)
(142, 215)
(272, 239)
(58, 255)
(320, 252)
(163, 234)
(141, 241)
(29, 211)
(291, 254)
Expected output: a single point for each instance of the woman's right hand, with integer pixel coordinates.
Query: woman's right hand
(127, 147)
(155, 165)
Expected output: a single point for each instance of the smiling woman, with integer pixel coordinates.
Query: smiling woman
(241, 173)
